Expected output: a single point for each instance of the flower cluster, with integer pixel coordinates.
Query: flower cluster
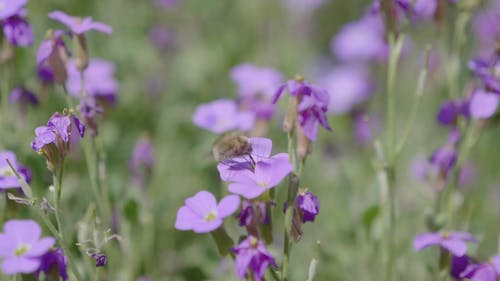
(256, 87)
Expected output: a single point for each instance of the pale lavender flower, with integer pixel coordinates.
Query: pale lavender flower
(7, 177)
(308, 205)
(21, 246)
(312, 108)
(361, 40)
(223, 115)
(53, 264)
(454, 242)
(202, 214)
(252, 258)
(486, 28)
(347, 86)
(18, 31)
(480, 272)
(141, 162)
(266, 175)
(79, 25)
(483, 104)
(9, 8)
(51, 58)
(100, 81)
(364, 128)
(256, 87)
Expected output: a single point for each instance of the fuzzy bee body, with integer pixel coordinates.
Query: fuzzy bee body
(231, 145)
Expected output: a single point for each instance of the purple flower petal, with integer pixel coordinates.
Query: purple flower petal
(456, 247)
(426, 240)
(483, 104)
(14, 265)
(228, 205)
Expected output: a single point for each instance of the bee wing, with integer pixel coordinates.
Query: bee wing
(261, 148)
(231, 169)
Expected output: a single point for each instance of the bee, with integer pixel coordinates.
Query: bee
(231, 145)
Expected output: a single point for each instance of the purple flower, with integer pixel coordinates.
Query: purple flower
(100, 259)
(445, 157)
(454, 242)
(89, 109)
(483, 104)
(480, 272)
(250, 213)
(18, 31)
(459, 266)
(141, 162)
(51, 58)
(9, 8)
(486, 28)
(266, 175)
(256, 87)
(252, 257)
(54, 140)
(53, 262)
(100, 81)
(308, 205)
(7, 178)
(221, 116)
(21, 246)
(23, 97)
(347, 86)
(488, 72)
(79, 25)
(450, 111)
(312, 108)
(361, 40)
(202, 214)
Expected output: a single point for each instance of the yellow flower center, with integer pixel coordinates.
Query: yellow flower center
(445, 234)
(21, 250)
(262, 184)
(6, 172)
(210, 216)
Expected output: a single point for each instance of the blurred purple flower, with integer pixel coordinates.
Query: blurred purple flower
(53, 262)
(481, 272)
(364, 128)
(483, 104)
(23, 97)
(167, 4)
(486, 28)
(161, 37)
(347, 87)
(256, 87)
(467, 175)
(51, 58)
(308, 205)
(9, 8)
(90, 109)
(488, 72)
(459, 266)
(21, 246)
(312, 107)
(361, 40)
(100, 259)
(79, 25)
(7, 177)
(100, 81)
(253, 258)
(450, 111)
(266, 175)
(202, 214)
(141, 162)
(221, 116)
(454, 242)
(18, 31)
